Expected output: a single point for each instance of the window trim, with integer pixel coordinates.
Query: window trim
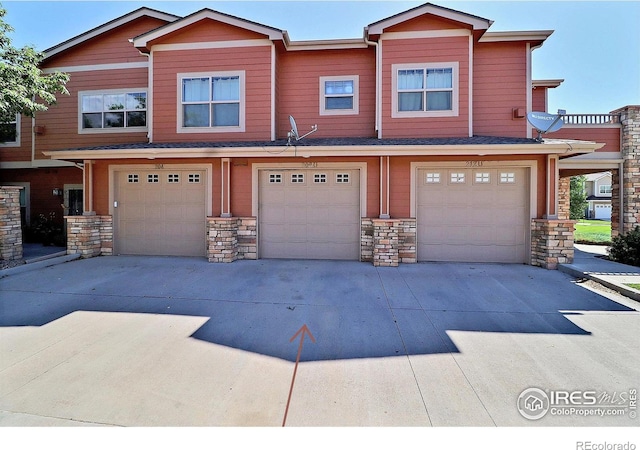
(240, 128)
(125, 91)
(455, 90)
(356, 96)
(606, 191)
(15, 143)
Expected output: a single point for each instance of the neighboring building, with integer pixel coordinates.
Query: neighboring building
(598, 187)
(178, 132)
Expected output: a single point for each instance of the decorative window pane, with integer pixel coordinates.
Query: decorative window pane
(113, 110)
(457, 177)
(439, 78)
(439, 101)
(482, 177)
(432, 177)
(410, 79)
(226, 88)
(275, 178)
(507, 177)
(195, 116)
(342, 178)
(153, 178)
(297, 178)
(194, 178)
(320, 178)
(133, 178)
(195, 89)
(410, 101)
(226, 114)
(338, 103)
(173, 178)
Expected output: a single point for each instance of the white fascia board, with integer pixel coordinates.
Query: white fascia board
(477, 23)
(515, 36)
(547, 83)
(337, 44)
(142, 12)
(143, 40)
(557, 147)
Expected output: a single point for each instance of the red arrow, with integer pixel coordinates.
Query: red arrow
(302, 331)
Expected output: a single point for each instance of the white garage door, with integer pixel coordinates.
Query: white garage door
(473, 215)
(309, 214)
(160, 212)
(603, 211)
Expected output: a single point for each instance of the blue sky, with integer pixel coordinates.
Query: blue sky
(595, 47)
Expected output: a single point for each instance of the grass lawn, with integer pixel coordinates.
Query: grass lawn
(634, 286)
(593, 232)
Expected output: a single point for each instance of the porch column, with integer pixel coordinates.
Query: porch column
(553, 177)
(384, 187)
(225, 180)
(10, 223)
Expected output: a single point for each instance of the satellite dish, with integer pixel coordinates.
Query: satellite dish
(544, 122)
(294, 131)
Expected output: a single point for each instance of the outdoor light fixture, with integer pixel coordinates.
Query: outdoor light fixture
(57, 192)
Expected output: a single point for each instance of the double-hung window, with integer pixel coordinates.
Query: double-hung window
(425, 90)
(339, 95)
(113, 111)
(211, 102)
(10, 131)
(604, 189)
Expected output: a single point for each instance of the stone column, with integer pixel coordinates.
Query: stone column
(385, 242)
(247, 238)
(83, 235)
(10, 223)
(629, 182)
(366, 240)
(222, 239)
(564, 198)
(551, 242)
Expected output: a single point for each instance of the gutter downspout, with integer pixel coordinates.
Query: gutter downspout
(378, 127)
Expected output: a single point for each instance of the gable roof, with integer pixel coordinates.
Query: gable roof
(111, 25)
(142, 42)
(476, 23)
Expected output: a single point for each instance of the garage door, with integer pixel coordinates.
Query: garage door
(309, 214)
(160, 212)
(603, 211)
(473, 215)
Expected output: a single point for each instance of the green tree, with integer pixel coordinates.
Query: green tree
(578, 197)
(25, 88)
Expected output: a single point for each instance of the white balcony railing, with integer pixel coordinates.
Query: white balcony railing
(591, 119)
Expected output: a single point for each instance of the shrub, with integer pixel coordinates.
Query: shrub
(625, 248)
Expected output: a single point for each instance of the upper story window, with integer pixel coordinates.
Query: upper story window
(425, 90)
(113, 111)
(604, 189)
(10, 132)
(211, 102)
(339, 95)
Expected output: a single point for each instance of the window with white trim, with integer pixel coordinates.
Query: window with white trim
(342, 178)
(112, 111)
(432, 177)
(483, 177)
(425, 90)
(153, 178)
(133, 178)
(319, 177)
(457, 177)
(275, 178)
(604, 189)
(297, 178)
(173, 178)
(194, 178)
(339, 95)
(211, 102)
(10, 132)
(507, 177)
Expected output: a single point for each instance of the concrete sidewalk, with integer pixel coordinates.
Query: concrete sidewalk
(589, 263)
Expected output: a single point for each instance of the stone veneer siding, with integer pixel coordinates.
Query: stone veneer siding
(366, 240)
(564, 198)
(385, 242)
(89, 235)
(10, 223)
(629, 185)
(231, 238)
(551, 242)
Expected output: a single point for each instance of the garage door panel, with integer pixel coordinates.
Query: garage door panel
(481, 217)
(321, 219)
(160, 218)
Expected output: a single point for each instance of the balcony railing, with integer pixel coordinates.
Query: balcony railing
(591, 119)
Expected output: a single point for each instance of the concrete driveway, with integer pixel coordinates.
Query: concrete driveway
(152, 341)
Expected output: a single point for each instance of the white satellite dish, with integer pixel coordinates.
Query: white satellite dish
(544, 122)
(294, 131)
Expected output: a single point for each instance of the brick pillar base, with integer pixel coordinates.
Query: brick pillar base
(89, 235)
(551, 242)
(10, 223)
(231, 238)
(385, 242)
